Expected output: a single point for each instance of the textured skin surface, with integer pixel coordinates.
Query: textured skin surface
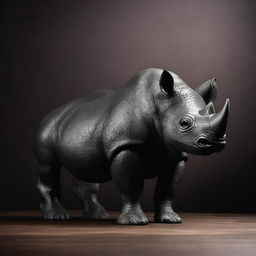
(140, 131)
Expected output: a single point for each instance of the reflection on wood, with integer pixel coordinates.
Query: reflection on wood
(26, 233)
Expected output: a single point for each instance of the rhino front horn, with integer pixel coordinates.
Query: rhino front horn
(218, 121)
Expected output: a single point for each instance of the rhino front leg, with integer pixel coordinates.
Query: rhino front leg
(164, 194)
(128, 176)
(87, 193)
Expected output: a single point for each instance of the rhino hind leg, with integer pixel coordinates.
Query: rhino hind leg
(49, 189)
(128, 176)
(87, 193)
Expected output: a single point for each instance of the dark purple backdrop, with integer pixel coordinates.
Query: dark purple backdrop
(58, 51)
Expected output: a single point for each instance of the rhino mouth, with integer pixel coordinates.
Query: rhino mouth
(204, 142)
(221, 140)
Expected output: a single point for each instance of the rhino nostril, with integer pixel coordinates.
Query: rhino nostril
(203, 142)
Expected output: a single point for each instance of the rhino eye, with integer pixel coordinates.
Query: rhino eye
(186, 123)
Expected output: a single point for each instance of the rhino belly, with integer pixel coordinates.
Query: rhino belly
(84, 159)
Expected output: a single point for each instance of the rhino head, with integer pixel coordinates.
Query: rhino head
(187, 117)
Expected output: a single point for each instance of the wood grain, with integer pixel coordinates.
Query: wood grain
(26, 233)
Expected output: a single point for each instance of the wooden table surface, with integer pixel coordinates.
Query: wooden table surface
(26, 233)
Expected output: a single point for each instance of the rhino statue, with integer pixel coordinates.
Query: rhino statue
(143, 130)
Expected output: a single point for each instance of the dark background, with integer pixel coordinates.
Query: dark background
(54, 52)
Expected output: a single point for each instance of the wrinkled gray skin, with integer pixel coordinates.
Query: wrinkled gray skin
(141, 131)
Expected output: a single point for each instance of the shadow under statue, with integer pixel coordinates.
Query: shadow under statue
(143, 130)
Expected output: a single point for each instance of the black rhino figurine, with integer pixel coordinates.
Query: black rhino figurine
(143, 130)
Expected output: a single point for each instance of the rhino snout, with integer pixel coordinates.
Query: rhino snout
(204, 142)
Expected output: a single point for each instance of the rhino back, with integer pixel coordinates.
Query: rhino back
(72, 134)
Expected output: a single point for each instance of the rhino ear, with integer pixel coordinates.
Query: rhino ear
(166, 83)
(208, 90)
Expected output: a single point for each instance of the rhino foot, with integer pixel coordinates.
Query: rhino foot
(168, 217)
(55, 211)
(87, 193)
(132, 216)
(95, 211)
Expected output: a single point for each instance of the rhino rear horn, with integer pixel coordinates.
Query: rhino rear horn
(208, 90)
(219, 121)
(208, 110)
(166, 82)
